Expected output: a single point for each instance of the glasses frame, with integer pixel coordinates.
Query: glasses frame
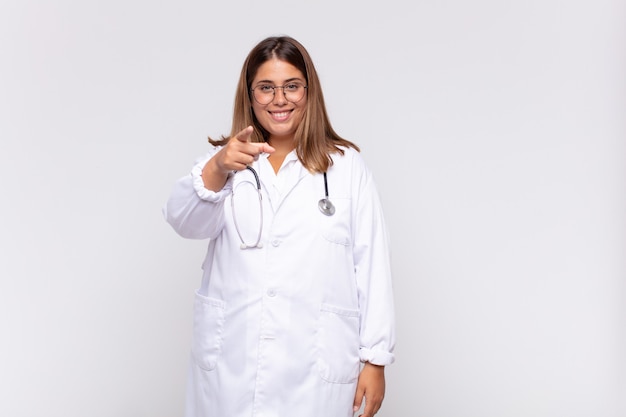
(274, 87)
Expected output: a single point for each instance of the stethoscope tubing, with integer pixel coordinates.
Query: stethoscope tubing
(325, 205)
(258, 243)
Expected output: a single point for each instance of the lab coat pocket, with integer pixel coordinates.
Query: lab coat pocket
(208, 325)
(338, 344)
(336, 228)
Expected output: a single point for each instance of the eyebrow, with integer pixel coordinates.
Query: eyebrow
(285, 82)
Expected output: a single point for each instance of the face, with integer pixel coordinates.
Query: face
(280, 117)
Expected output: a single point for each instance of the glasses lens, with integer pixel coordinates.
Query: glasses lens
(263, 94)
(293, 92)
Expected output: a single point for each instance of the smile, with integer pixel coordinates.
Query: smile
(280, 116)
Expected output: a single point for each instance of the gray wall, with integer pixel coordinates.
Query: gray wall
(496, 134)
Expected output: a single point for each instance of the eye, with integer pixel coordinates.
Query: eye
(292, 87)
(265, 89)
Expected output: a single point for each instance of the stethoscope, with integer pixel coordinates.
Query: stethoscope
(325, 205)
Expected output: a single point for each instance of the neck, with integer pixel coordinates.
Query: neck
(282, 148)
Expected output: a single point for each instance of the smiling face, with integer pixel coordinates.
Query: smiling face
(280, 117)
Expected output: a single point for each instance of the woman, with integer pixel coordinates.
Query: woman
(294, 316)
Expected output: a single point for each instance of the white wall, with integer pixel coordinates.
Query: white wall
(496, 133)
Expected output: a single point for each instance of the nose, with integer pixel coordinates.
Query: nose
(279, 98)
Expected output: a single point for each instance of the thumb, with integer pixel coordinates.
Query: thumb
(244, 135)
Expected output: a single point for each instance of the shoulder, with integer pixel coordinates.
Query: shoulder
(350, 159)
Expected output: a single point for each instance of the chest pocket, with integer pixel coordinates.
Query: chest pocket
(337, 228)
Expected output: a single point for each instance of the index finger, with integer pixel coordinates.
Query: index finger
(244, 135)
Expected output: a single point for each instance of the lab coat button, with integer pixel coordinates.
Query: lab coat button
(275, 242)
(271, 292)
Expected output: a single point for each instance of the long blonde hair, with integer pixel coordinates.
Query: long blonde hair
(315, 138)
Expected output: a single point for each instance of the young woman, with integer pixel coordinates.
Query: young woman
(294, 316)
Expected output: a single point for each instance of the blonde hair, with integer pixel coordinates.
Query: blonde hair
(315, 138)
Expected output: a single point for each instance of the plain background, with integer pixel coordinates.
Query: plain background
(495, 130)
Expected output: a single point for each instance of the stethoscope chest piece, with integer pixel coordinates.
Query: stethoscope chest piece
(326, 207)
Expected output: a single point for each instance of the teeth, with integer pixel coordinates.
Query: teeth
(283, 114)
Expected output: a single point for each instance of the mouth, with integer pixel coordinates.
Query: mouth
(280, 116)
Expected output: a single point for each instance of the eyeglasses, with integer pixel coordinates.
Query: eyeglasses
(264, 93)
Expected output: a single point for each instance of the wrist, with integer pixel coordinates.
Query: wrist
(213, 177)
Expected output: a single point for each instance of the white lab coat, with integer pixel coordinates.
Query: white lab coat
(281, 331)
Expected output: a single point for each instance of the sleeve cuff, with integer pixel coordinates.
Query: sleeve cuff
(376, 357)
(205, 194)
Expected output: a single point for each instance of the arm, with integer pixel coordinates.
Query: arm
(373, 274)
(195, 207)
(194, 211)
